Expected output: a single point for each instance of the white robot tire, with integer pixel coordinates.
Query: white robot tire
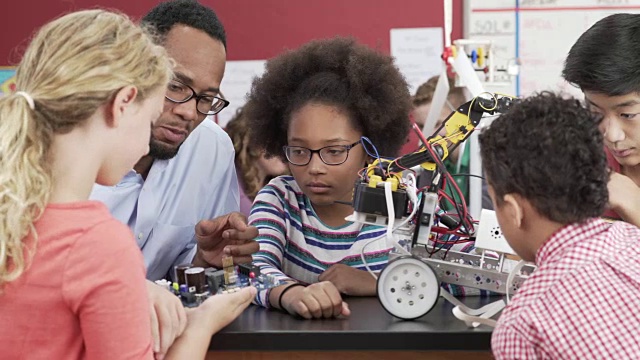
(408, 288)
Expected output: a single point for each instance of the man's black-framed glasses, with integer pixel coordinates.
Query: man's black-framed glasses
(330, 155)
(179, 92)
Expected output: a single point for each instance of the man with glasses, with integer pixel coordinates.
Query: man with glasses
(188, 177)
(179, 92)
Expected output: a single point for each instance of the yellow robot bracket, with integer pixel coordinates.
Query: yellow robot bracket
(457, 128)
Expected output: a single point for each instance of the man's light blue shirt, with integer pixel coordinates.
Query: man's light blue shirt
(198, 183)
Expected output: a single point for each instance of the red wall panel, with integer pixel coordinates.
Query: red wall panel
(257, 29)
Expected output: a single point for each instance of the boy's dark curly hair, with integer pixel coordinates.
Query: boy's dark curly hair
(548, 150)
(337, 72)
(191, 13)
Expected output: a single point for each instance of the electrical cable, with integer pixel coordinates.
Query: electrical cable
(375, 153)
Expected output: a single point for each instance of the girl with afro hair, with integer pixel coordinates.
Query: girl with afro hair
(312, 108)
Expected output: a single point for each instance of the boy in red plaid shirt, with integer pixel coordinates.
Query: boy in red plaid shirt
(547, 175)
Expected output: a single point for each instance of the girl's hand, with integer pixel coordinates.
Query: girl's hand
(219, 311)
(316, 301)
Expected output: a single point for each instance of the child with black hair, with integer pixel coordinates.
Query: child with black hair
(311, 108)
(604, 64)
(548, 181)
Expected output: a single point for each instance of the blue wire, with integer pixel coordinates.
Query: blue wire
(363, 139)
(376, 154)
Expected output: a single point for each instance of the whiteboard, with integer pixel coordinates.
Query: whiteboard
(236, 84)
(539, 33)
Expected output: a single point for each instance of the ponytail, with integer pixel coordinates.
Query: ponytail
(73, 66)
(25, 182)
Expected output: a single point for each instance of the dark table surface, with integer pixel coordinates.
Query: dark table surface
(369, 327)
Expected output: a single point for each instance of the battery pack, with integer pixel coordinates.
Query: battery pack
(372, 201)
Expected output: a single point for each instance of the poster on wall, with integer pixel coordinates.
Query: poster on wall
(7, 80)
(417, 53)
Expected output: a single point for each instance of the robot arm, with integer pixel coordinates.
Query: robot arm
(458, 127)
(369, 196)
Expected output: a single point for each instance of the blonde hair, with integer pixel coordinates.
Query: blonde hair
(74, 65)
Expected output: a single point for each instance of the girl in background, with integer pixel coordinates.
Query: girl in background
(253, 168)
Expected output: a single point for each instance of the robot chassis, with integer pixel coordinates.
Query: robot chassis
(409, 286)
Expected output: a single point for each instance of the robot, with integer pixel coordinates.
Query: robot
(409, 286)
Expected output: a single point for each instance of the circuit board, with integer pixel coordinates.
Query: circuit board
(195, 284)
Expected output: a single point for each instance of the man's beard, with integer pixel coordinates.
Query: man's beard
(159, 151)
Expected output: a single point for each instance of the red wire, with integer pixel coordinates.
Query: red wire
(465, 211)
(459, 241)
(420, 134)
(404, 168)
(445, 231)
(447, 197)
(447, 176)
(433, 155)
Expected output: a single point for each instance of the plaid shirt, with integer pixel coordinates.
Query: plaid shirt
(582, 302)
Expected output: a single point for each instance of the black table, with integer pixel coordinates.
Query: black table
(369, 328)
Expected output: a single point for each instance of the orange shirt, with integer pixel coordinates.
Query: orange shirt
(84, 295)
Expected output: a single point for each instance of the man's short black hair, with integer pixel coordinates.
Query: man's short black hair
(606, 58)
(336, 72)
(548, 150)
(186, 12)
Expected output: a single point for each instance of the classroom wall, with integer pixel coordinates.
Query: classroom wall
(256, 29)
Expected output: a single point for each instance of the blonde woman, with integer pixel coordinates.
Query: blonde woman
(72, 278)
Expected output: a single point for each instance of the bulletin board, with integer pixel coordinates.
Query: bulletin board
(7, 80)
(539, 33)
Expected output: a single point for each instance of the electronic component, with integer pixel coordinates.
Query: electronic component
(215, 279)
(248, 269)
(489, 236)
(426, 218)
(188, 298)
(195, 280)
(371, 200)
(179, 273)
(230, 275)
(202, 283)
